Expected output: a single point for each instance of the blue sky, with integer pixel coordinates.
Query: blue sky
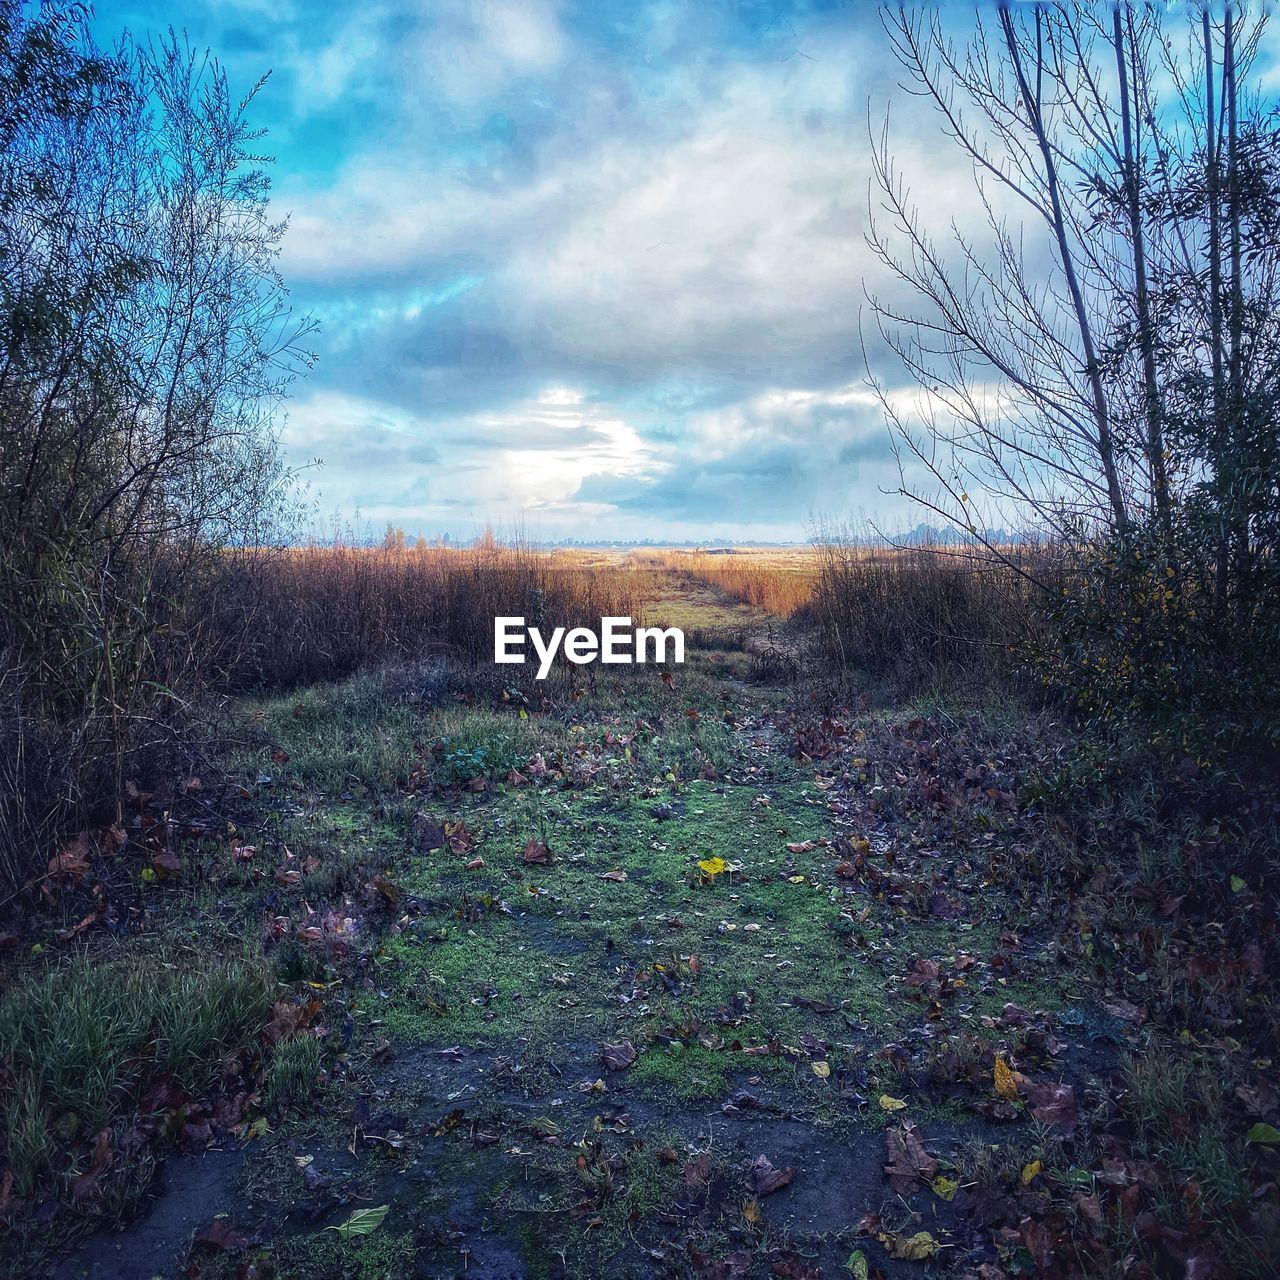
(594, 268)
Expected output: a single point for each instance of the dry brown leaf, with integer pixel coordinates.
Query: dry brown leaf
(765, 1179)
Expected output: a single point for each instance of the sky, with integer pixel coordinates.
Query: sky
(594, 270)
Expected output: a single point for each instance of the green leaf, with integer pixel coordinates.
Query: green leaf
(1264, 1134)
(1238, 885)
(857, 1265)
(945, 1188)
(917, 1248)
(362, 1222)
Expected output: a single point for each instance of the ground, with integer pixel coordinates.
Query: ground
(704, 975)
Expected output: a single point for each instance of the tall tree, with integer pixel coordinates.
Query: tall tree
(1103, 361)
(145, 335)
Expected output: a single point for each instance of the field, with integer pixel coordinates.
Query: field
(920, 919)
(766, 964)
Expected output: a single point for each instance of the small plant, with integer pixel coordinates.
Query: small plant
(464, 763)
(295, 1073)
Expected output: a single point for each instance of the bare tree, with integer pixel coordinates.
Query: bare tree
(1101, 359)
(145, 336)
(1062, 353)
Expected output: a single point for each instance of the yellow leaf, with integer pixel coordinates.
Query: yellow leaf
(1030, 1171)
(751, 1212)
(916, 1248)
(857, 1266)
(713, 866)
(1005, 1085)
(945, 1188)
(796, 879)
(891, 1104)
(822, 1069)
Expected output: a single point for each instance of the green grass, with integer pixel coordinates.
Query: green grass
(687, 1074)
(386, 1254)
(295, 1073)
(85, 1039)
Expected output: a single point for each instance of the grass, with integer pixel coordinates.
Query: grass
(778, 581)
(475, 985)
(294, 1076)
(385, 1255)
(84, 1040)
(293, 616)
(921, 618)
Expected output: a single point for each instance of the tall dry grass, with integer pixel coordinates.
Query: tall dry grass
(919, 617)
(779, 581)
(291, 616)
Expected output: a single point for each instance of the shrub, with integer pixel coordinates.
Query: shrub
(145, 339)
(294, 616)
(295, 1073)
(915, 617)
(1138, 642)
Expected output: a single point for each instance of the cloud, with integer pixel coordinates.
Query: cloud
(600, 264)
(780, 457)
(504, 467)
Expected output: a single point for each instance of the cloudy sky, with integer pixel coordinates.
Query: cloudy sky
(595, 267)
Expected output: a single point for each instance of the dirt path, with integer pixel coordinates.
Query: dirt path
(660, 990)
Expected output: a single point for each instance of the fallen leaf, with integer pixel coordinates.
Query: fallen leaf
(1005, 1085)
(449, 1123)
(908, 1160)
(765, 1179)
(1052, 1103)
(289, 1019)
(1263, 1134)
(891, 1104)
(1125, 1010)
(1030, 1172)
(786, 1264)
(85, 1188)
(458, 838)
(222, 1234)
(167, 863)
(917, 1248)
(857, 1267)
(618, 1057)
(821, 1069)
(71, 860)
(617, 876)
(536, 853)
(741, 1100)
(362, 1222)
(65, 935)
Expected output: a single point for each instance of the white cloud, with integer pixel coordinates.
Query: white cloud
(530, 458)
